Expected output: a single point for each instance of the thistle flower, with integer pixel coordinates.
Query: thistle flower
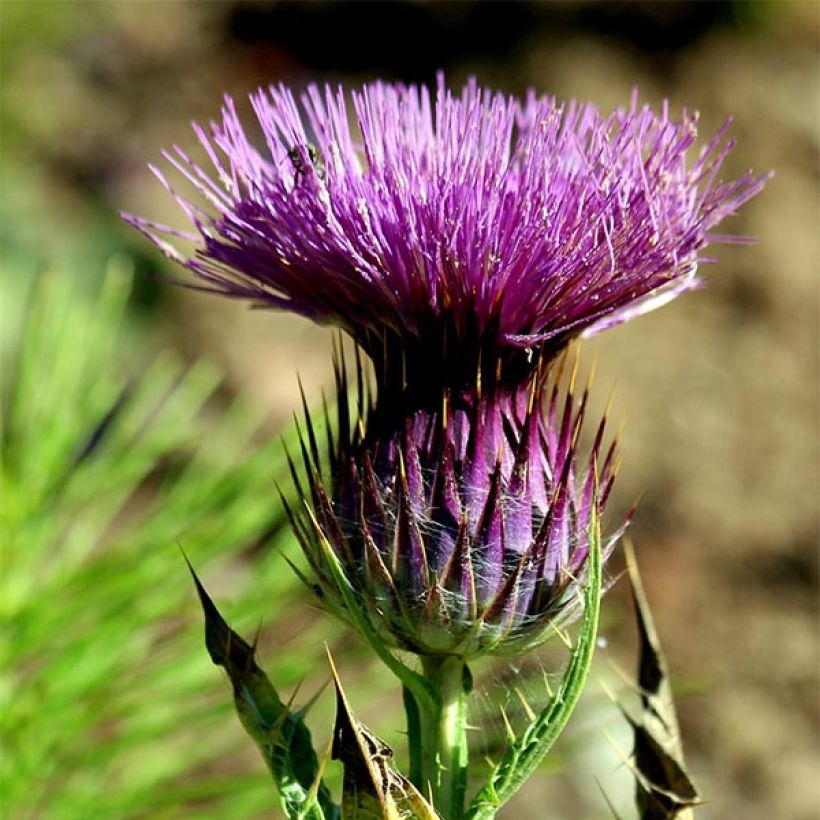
(465, 227)
(463, 530)
(462, 242)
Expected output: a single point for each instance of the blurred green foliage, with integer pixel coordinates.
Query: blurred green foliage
(108, 702)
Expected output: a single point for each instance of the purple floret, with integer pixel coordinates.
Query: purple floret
(451, 220)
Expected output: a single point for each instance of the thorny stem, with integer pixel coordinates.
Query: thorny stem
(438, 738)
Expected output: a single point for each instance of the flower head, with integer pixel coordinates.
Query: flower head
(464, 530)
(462, 240)
(456, 224)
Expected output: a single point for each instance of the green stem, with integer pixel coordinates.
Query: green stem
(414, 739)
(438, 751)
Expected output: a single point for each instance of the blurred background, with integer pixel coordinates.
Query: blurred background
(136, 420)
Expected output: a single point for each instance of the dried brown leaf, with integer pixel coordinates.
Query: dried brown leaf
(664, 788)
(373, 788)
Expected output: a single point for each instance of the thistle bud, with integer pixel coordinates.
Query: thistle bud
(464, 529)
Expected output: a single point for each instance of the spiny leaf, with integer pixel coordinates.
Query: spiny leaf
(280, 732)
(663, 788)
(373, 788)
(524, 755)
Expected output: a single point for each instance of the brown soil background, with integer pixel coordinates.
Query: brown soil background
(719, 389)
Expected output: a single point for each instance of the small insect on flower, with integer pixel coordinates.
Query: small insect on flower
(298, 156)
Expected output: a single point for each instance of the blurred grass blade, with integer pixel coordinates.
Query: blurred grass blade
(280, 732)
(663, 787)
(106, 465)
(373, 789)
(524, 754)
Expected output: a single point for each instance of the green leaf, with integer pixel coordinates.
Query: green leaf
(280, 733)
(524, 754)
(663, 787)
(373, 788)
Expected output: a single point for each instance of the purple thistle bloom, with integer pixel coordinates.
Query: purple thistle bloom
(463, 530)
(462, 241)
(472, 225)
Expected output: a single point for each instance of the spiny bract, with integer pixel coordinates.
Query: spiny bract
(464, 530)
